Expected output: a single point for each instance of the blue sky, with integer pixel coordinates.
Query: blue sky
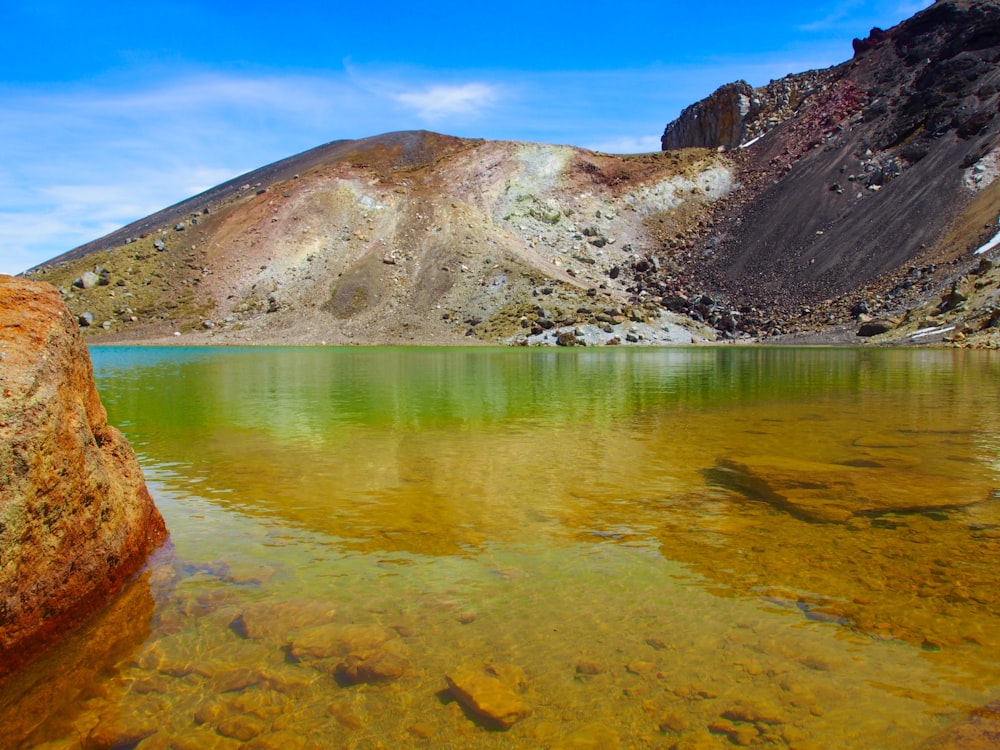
(110, 111)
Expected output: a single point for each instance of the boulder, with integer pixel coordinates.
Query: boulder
(715, 121)
(76, 519)
(87, 280)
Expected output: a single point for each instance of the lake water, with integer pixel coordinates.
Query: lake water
(657, 548)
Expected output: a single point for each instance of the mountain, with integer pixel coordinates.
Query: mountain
(845, 200)
(404, 238)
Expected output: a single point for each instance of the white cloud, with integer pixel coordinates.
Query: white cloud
(437, 103)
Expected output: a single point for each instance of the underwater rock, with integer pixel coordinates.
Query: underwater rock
(76, 519)
(354, 654)
(590, 737)
(831, 493)
(377, 666)
(491, 692)
(274, 621)
(980, 730)
(335, 639)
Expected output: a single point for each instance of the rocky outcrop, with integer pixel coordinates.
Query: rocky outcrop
(737, 113)
(719, 120)
(76, 519)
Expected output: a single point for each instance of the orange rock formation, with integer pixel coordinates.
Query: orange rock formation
(76, 519)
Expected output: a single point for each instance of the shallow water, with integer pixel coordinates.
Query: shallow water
(690, 548)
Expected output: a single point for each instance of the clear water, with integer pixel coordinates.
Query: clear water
(690, 548)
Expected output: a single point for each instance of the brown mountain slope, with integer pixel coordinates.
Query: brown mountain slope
(407, 237)
(866, 187)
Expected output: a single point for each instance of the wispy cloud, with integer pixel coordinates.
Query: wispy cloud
(833, 18)
(438, 103)
(857, 16)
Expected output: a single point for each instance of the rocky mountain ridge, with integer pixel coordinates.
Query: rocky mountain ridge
(851, 199)
(868, 187)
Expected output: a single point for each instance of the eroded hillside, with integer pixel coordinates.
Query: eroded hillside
(409, 237)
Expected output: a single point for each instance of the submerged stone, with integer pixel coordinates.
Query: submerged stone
(491, 693)
(275, 621)
(336, 639)
(824, 492)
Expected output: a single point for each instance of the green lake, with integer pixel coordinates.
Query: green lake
(687, 548)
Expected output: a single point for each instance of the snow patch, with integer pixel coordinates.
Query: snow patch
(930, 332)
(995, 242)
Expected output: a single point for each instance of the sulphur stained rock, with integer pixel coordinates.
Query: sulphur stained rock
(76, 519)
(491, 692)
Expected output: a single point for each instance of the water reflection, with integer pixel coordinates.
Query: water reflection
(49, 698)
(681, 548)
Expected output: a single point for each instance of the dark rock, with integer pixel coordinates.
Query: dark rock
(85, 320)
(861, 46)
(875, 328)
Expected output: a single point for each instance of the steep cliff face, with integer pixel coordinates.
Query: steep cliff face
(76, 519)
(736, 113)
